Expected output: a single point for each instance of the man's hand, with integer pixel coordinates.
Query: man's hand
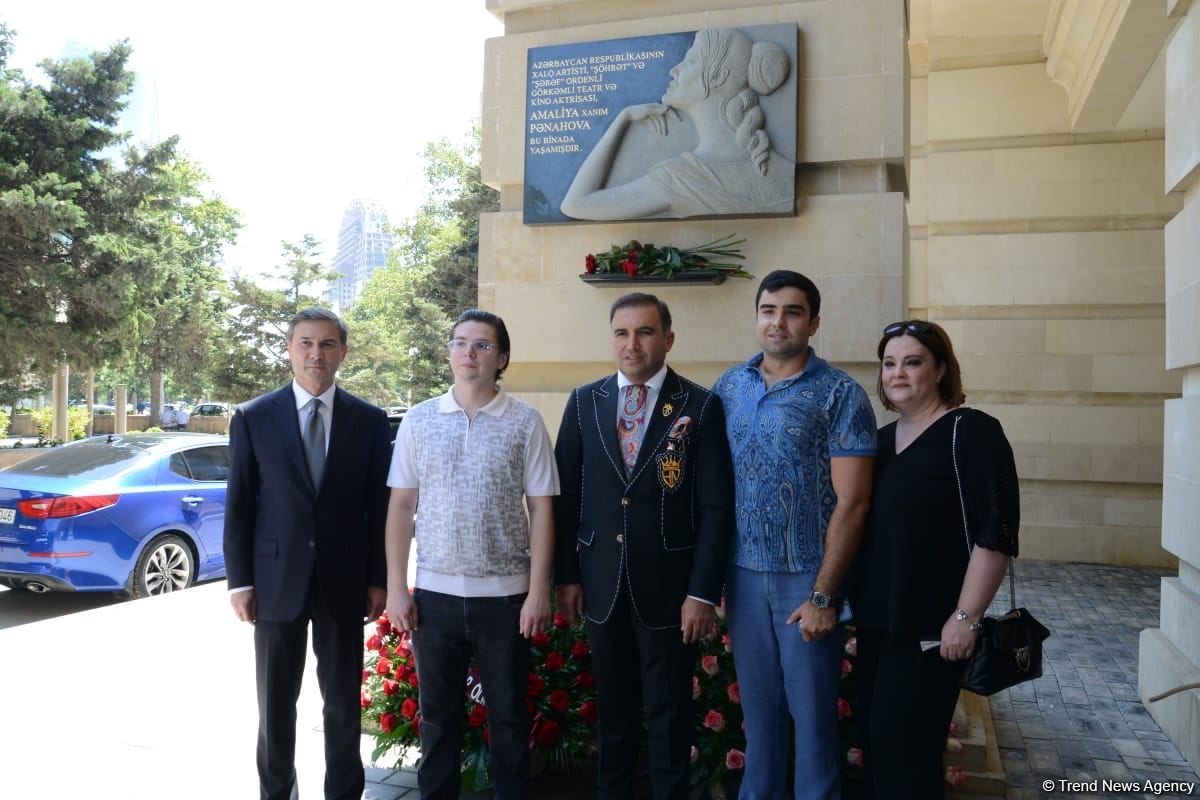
(401, 610)
(245, 605)
(696, 618)
(376, 602)
(570, 601)
(535, 612)
(815, 623)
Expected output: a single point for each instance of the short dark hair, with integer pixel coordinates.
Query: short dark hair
(487, 318)
(642, 299)
(937, 342)
(313, 313)
(781, 278)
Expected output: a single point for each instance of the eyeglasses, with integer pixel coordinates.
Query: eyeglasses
(912, 326)
(462, 345)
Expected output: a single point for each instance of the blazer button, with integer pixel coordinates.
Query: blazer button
(624, 501)
(620, 538)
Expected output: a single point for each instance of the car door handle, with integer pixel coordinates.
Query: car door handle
(192, 500)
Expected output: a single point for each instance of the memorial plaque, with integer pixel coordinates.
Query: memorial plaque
(690, 124)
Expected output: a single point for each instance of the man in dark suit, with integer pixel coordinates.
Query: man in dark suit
(304, 523)
(644, 522)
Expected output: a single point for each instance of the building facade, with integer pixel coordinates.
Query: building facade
(364, 240)
(1026, 173)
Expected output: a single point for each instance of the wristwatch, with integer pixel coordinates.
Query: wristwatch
(959, 614)
(820, 600)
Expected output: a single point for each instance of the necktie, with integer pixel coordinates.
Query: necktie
(631, 426)
(314, 442)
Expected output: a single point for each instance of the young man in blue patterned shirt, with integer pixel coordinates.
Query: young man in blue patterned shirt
(802, 434)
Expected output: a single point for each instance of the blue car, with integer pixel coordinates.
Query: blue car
(138, 513)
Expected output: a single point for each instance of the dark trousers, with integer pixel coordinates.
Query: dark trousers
(279, 652)
(908, 699)
(636, 667)
(451, 629)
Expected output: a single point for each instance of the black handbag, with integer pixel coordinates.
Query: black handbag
(1009, 649)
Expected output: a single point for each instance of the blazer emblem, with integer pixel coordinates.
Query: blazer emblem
(667, 409)
(670, 469)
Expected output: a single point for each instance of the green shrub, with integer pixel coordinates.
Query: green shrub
(77, 421)
(3, 423)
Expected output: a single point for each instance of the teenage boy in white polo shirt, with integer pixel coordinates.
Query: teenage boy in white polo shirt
(464, 461)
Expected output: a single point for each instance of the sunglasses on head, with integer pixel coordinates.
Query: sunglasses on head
(912, 326)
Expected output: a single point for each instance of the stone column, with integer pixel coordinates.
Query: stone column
(1169, 655)
(58, 402)
(121, 421)
(91, 398)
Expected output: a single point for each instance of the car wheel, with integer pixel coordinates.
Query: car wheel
(166, 565)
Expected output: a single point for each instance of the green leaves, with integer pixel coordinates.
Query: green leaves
(635, 258)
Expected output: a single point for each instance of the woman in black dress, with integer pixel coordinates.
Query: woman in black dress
(942, 527)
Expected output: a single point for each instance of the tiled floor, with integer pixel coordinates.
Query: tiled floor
(1082, 721)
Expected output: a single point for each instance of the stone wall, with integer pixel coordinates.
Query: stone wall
(1039, 246)
(849, 234)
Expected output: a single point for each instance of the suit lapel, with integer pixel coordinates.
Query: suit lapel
(341, 432)
(287, 423)
(671, 398)
(604, 405)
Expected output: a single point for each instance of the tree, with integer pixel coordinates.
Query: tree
(407, 308)
(254, 342)
(103, 259)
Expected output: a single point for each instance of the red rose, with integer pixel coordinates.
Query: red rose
(843, 707)
(579, 650)
(695, 687)
(366, 674)
(589, 264)
(735, 759)
(402, 648)
(630, 267)
(383, 651)
(584, 680)
(374, 642)
(409, 708)
(383, 625)
(412, 680)
(541, 639)
(590, 712)
(554, 660)
(847, 667)
(559, 700)
(478, 716)
(714, 720)
(390, 687)
(383, 667)
(364, 698)
(734, 691)
(387, 721)
(548, 734)
(416, 725)
(530, 707)
(854, 757)
(536, 685)
(728, 642)
(709, 665)
(559, 621)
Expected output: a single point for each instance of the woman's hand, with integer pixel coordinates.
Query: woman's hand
(958, 640)
(655, 112)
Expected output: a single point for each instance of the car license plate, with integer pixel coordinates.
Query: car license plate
(8, 515)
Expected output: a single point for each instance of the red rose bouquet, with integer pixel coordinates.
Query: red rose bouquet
(635, 258)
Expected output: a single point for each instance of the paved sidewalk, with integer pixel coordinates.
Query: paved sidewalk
(155, 699)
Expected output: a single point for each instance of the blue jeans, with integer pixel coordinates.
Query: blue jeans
(451, 630)
(783, 679)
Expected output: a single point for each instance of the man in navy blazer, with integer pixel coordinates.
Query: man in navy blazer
(304, 521)
(643, 530)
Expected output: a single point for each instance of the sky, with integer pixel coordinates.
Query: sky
(293, 109)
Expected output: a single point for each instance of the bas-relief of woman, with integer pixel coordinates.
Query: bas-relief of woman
(732, 170)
